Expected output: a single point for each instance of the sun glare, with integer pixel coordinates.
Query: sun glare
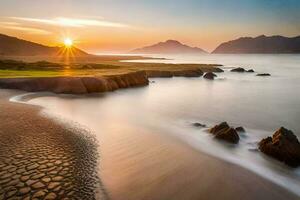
(68, 42)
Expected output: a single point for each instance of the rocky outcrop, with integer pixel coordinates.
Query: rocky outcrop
(92, 84)
(239, 69)
(240, 129)
(224, 132)
(210, 75)
(197, 124)
(263, 74)
(76, 85)
(217, 70)
(284, 146)
(183, 73)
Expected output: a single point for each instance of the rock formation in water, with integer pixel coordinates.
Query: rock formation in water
(168, 47)
(197, 124)
(240, 129)
(283, 145)
(12, 46)
(210, 75)
(224, 132)
(250, 71)
(239, 69)
(263, 74)
(261, 44)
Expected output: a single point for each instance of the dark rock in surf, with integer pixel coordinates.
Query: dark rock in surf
(263, 74)
(239, 69)
(240, 129)
(210, 75)
(250, 71)
(283, 145)
(197, 124)
(218, 70)
(224, 132)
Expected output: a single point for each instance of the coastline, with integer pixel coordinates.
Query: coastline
(44, 159)
(175, 167)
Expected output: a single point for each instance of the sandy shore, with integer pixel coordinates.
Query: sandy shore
(40, 157)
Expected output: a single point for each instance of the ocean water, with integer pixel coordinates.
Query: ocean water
(169, 106)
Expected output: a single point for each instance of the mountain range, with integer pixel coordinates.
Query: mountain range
(12, 46)
(168, 47)
(260, 45)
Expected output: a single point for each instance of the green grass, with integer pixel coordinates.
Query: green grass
(13, 69)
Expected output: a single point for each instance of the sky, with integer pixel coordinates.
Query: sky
(112, 26)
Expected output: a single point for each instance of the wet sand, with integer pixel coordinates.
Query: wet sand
(141, 165)
(40, 159)
(135, 164)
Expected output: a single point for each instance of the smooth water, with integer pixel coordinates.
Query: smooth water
(170, 106)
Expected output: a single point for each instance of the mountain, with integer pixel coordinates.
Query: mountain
(168, 47)
(260, 44)
(12, 46)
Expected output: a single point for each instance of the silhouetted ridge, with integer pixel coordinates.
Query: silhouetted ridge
(12, 46)
(261, 44)
(168, 47)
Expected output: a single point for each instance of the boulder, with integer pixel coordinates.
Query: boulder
(283, 145)
(250, 71)
(239, 69)
(224, 132)
(210, 75)
(197, 124)
(240, 129)
(263, 74)
(217, 70)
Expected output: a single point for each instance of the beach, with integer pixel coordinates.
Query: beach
(134, 163)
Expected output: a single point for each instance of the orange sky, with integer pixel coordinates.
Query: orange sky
(119, 26)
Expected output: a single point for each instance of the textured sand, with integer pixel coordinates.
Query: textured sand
(40, 159)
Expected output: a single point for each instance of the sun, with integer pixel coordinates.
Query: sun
(68, 42)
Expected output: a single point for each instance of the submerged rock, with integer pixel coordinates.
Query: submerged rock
(240, 129)
(239, 69)
(224, 132)
(283, 145)
(197, 124)
(263, 74)
(210, 75)
(218, 70)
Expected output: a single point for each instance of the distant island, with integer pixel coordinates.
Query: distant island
(168, 47)
(12, 46)
(260, 45)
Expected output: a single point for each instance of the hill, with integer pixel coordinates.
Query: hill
(12, 46)
(261, 44)
(168, 47)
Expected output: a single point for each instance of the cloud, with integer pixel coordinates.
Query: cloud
(72, 22)
(20, 27)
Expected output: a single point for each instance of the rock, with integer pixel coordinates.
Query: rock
(284, 146)
(250, 71)
(229, 135)
(217, 70)
(210, 75)
(240, 129)
(197, 124)
(224, 132)
(263, 74)
(239, 69)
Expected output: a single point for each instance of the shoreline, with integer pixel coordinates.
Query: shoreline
(194, 158)
(41, 158)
